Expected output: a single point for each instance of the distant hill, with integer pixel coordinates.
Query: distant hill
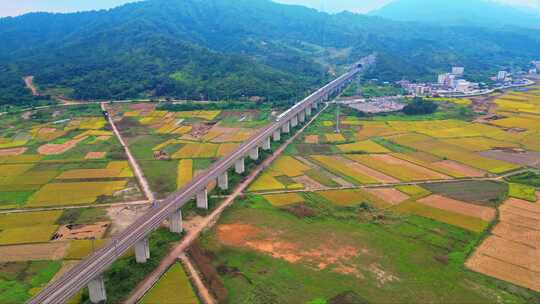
(232, 49)
(460, 12)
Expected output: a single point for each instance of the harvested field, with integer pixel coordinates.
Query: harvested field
(398, 168)
(513, 251)
(311, 139)
(389, 195)
(474, 192)
(284, 199)
(12, 152)
(33, 252)
(308, 183)
(55, 149)
(484, 213)
(462, 169)
(95, 155)
(531, 159)
(504, 271)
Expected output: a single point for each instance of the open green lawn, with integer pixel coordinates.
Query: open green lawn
(20, 281)
(397, 259)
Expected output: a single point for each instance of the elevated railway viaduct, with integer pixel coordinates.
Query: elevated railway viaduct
(89, 273)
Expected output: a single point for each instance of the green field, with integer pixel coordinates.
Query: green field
(378, 257)
(174, 288)
(480, 192)
(20, 281)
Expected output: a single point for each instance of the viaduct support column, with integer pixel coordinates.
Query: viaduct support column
(308, 111)
(277, 135)
(239, 166)
(267, 145)
(223, 181)
(314, 105)
(254, 153)
(202, 199)
(294, 121)
(96, 290)
(142, 251)
(175, 222)
(302, 116)
(286, 127)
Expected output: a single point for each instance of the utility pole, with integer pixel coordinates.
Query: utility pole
(337, 118)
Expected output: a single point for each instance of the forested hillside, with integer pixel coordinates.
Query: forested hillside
(231, 49)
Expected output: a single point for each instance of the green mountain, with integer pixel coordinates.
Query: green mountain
(232, 49)
(460, 12)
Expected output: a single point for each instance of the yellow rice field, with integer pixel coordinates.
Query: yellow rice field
(116, 169)
(206, 115)
(185, 172)
(21, 220)
(367, 146)
(290, 166)
(27, 235)
(197, 150)
(59, 194)
(351, 197)
(284, 199)
(334, 137)
(266, 182)
(337, 165)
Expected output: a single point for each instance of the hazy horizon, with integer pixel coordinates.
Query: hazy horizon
(20, 7)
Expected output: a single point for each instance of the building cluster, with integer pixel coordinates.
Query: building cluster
(447, 83)
(535, 68)
(454, 85)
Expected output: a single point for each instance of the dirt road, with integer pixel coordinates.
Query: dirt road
(29, 82)
(208, 221)
(132, 161)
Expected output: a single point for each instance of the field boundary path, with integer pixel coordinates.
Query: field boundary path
(210, 220)
(132, 161)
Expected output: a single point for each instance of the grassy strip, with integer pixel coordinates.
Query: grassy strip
(124, 275)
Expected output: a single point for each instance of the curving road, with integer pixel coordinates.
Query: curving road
(77, 278)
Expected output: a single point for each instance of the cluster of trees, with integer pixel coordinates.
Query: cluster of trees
(223, 50)
(420, 107)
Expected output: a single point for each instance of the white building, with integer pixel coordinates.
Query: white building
(501, 76)
(536, 64)
(532, 71)
(459, 71)
(442, 78)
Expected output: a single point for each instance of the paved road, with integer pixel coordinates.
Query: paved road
(76, 279)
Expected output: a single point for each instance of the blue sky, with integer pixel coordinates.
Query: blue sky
(18, 7)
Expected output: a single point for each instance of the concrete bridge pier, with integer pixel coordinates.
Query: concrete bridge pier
(308, 111)
(267, 144)
(202, 199)
(254, 153)
(302, 116)
(223, 181)
(277, 135)
(175, 222)
(286, 127)
(96, 290)
(142, 251)
(294, 121)
(239, 166)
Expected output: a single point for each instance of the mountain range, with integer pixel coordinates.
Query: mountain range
(460, 13)
(233, 49)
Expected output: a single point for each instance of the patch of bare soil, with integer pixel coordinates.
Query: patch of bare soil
(95, 155)
(301, 211)
(389, 195)
(312, 139)
(336, 257)
(55, 149)
(309, 183)
(437, 201)
(81, 232)
(148, 107)
(13, 152)
(29, 82)
(457, 167)
(123, 216)
(526, 158)
(513, 251)
(33, 252)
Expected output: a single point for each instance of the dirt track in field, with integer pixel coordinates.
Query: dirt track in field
(55, 149)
